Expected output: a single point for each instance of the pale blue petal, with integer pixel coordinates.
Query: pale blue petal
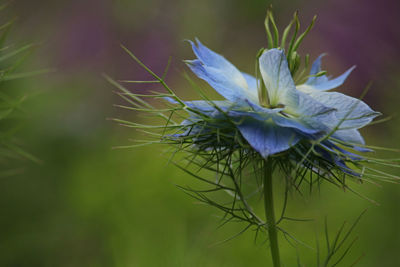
(277, 78)
(322, 83)
(350, 112)
(219, 79)
(333, 148)
(260, 109)
(331, 84)
(224, 77)
(261, 116)
(315, 68)
(214, 109)
(352, 136)
(277, 118)
(266, 137)
(207, 107)
(212, 59)
(297, 125)
(313, 113)
(280, 85)
(251, 83)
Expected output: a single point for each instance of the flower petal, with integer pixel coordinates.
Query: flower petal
(266, 137)
(277, 118)
(281, 90)
(210, 58)
(251, 83)
(224, 77)
(313, 113)
(331, 156)
(277, 78)
(297, 125)
(350, 112)
(315, 68)
(351, 138)
(207, 107)
(331, 146)
(322, 83)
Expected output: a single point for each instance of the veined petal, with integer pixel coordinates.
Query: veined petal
(315, 68)
(322, 83)
(331, 146)
(251, 83)
(223, 76)
(209, 107)
(293, 123)
(350, 112)
(277, 118)
(212, 59)
(313, 113)
(266, 137)
(220, 80)
(352, 136)
(238, 114)
(277, 78)
(204, 106)
(260, 109)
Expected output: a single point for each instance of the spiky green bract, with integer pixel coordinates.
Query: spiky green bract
(214, 152)
(292, 45)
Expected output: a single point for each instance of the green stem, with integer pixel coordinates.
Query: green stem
(269, 213)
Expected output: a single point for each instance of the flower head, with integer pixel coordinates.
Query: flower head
(293, 113)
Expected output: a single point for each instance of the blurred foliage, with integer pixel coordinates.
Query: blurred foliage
(11, 100)
(89, 205)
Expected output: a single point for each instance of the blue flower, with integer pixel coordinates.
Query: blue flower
(293, 113)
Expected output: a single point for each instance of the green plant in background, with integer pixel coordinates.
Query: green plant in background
(280, 122)
(11, 101)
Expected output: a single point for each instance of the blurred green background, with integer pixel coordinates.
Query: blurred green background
(86, 204)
